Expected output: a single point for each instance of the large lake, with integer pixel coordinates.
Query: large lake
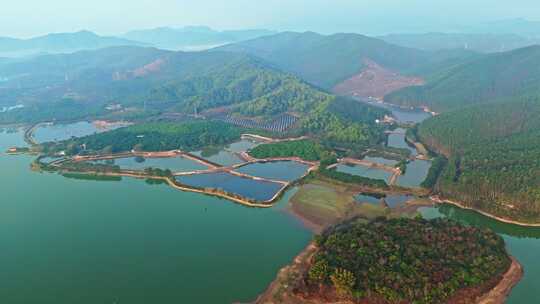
(74, 241)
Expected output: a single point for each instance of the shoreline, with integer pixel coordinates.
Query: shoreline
(460, 205)
(279, 286)
(502, 290)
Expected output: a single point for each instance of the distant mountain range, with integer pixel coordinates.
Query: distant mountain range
(518, 26)
(187, 39)
(485, 43)
(192, 38)
(60, 43)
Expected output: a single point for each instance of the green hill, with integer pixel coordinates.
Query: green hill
(149, 81)
(494, 157)
(489, 78)
(329, 60)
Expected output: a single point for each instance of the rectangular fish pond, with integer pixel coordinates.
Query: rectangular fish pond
(175, 164)
(220, 157)
(261, 191)
(278, 170)
(393, 201)
(364, 171)
(415, 174)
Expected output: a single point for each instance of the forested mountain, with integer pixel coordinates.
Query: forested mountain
(485, 43)
(327, 61)
(489, 78)
(146, 79)
(59, 43)
(192, 37)
(494, 156)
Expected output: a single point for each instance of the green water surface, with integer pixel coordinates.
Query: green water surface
(79, 241)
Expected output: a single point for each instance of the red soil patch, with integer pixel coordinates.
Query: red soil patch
(145, 70)
(376, 82)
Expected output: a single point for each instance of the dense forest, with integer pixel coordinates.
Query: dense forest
(490, 78)
(187, 136)
(404, 261)
(493, 157)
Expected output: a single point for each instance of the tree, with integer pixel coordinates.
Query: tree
(343, 281)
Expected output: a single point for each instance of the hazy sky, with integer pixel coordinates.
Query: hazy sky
(24, 18)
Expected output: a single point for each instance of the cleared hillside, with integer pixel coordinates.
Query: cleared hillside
(328, 61)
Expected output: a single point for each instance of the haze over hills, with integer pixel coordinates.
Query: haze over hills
(518, 26)
(485, 43)
(337, 62)
(59, 43)
(192, 37)
(502, 76)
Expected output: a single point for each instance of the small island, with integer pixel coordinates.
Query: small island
(399, 261)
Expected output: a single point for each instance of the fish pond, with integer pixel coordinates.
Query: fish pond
(59, 132)
(175, 164)
(279, 170)
(393, 201)
(364, 171)
(220, 157)
(415, 174)
(252, 189)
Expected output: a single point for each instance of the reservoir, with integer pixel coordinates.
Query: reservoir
(70, 241)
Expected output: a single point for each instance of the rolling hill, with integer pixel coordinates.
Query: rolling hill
(489, 78)
(192, 37)
(59, 43)
(149, 81)
(339, 61)
(485, 43)
(494, 156)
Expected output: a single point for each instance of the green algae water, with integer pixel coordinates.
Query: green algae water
(82, 241)
(522, 242)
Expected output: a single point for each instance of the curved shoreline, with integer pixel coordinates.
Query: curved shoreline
(496, 295)
(438, 200)
(501, 291)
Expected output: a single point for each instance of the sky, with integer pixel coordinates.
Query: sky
(27, 18)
